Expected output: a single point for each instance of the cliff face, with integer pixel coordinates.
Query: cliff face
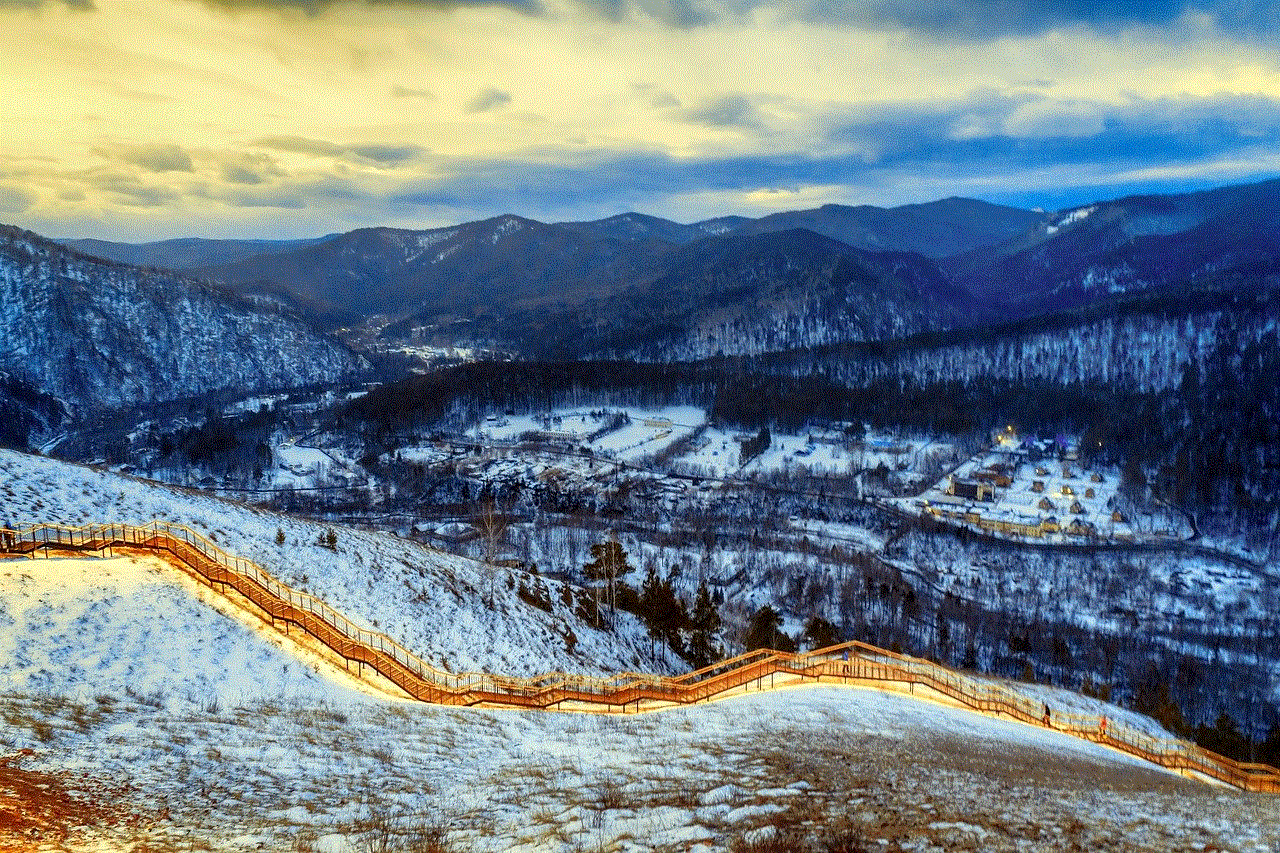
(100, 334)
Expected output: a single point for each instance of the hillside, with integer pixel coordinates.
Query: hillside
(114, 675)
(476, 267)
(1164, 243)
(181, 253)
(635, 284)
(937, 229)
(726, 295)
(432, 602)
(99, 334)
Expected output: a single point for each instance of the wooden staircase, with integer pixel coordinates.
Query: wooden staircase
(626, 692)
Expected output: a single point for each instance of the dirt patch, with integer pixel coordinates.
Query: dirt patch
(38, 808)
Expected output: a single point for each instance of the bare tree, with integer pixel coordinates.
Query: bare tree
(492, 520)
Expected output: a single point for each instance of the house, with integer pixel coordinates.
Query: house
(1068, 491)
(1089, 493)
(1076, 508)
(995, 478)
(1045, 503)
(1096, 477)
(1118, 517)
(1050, 525)
(1067, 473)
(1037, 486)
(1079, 527)
(972, 490)
(1042, 471)
(1015, 524)
(657, 422)
(555, 435)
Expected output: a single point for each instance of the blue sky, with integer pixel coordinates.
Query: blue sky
(146, 119)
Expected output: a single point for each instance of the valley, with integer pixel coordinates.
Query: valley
(632, 445)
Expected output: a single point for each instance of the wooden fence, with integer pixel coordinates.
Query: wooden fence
(847, 663)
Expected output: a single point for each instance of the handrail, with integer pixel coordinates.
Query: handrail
(851, 662)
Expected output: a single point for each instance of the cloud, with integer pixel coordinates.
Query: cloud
(319, 7)
(682, 14)
(398, 91)
(79, 5)
(241, 175)
(725, 111)
(157, 158)
(131, 191)
(381, 154)
(984, 19)
(997, 131)
(488, 100)
(15, 200)
(954, 20)
(991, 140)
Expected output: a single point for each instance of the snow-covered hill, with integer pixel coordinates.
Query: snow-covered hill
(822, 769)
(97, 333)
(129, 626)
(114, 669)
(453, 612)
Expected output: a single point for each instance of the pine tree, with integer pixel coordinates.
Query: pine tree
(648, 611)
(765, 632)
(279, 536)
(820, 633)
(703, 624)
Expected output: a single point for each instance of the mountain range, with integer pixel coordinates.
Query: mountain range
(94, 332)
(634, 285)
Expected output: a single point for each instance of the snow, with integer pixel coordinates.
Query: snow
(117, 668)
(302, 460)
(430, 601)
(316, 776)
(1041, 489)
(87, 627)
(1069, 218)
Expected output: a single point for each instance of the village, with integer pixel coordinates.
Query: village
(1029, 488)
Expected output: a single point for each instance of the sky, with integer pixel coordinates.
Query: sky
(147, 119)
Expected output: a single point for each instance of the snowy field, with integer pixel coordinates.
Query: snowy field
(345, 775)
(647, 432)
(821, 453)
(450, 610)
(175, 726)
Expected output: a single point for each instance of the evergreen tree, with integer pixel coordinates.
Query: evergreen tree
(703, 624)
(279, 536)
(765, 632)
(670, 616)
(820, 633)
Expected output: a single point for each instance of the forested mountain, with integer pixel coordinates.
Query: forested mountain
(96, 333)
(1141, 344)
(640, 226)
(549, 290)
(937, 229)
(26, 413)
(1135, 244)
(469, 269)
(182, 253)
(745, 294)
(731, 295)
